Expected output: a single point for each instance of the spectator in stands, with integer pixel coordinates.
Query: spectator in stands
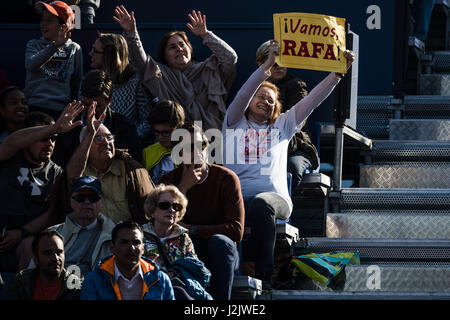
(53, 63)
(201, 87)
(215, 212)
(168, 244)
(13, 110)
(164, 118)
(97, 87)
(125, 183)
(86, 231)
(256, 138)
(26, 177)
(302, 154)
(127, 275)
(49, 280)
(87, 9)
(110, 54)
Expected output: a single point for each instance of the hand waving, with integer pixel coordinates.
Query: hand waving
(125, 19)
(198, 24)
(274, 50)
(93, 123)
(65, 121)
(64, 34)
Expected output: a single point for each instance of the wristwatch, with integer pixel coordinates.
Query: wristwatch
(25, 233)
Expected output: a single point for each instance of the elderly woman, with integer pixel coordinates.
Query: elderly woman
(165, 206)
(13, 110)
(256, 137)
(168, 244)
(201, 87)
(110, 54)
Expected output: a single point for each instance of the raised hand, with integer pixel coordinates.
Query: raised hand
(63, 35)
(198, 24)
(274, 50)
(125, 19)
(65, 121)
(350, 56)
(93, 123)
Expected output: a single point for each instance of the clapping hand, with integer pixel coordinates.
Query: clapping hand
(198, 24)
(125, 19)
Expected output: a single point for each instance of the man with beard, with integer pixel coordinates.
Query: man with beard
(27, 175)
(49, 280)
(127, 275)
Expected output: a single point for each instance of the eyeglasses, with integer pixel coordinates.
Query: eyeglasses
(263, 97)
(99, 138)
(97, 51)
(165, 205)
(92, 197)
(51, 138)
(193, 146)
(163, 132)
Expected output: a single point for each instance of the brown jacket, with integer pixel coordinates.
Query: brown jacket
(139, 185)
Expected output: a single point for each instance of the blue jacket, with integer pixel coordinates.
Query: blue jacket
(99, 284)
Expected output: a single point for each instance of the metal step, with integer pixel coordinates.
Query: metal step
(409, 201)
(441, 61)
(383, 251)
(396, 225)
(391, 278)
(407, 152)
(373, 295)
(373, 115)
(426, 107)
(434, 84)
(419, 129)
(398, 176)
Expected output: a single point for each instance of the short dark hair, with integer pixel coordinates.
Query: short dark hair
(130, 225)
(5, 92)
(36, 117)
(192, 128)
(44, 233)
(96, 83)
(167, 111)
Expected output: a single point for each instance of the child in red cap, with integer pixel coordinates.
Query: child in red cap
(53, 63)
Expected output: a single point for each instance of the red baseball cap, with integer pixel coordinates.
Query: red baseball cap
(59, 9)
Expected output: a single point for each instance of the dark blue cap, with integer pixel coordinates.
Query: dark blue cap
(89, 182)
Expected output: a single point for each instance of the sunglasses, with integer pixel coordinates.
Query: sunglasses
(99, 139)
(51, 138)
(92, 197)
(163, 132)
(165, 205)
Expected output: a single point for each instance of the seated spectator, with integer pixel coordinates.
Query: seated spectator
(13, 110)
(27, 175)
(260, 162)
(125, 183)
(164, 118)
(48, 280)
(53, 63)
(302, 154)
(110, 54)
(86, 231)
(127, 275)
(167, 242)
(97, 87)
(201, 87)
(215, 212)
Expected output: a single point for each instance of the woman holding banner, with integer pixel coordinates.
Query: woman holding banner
(256, 137)
(201, 87)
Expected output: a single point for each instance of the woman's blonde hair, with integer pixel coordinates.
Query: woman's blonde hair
(151, 202)
(277, 108)
(115, 57)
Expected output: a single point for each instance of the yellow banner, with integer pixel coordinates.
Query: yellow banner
(310, 41)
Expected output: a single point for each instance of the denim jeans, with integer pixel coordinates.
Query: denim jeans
(221, 257)
(261, 213)
(297, 165)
